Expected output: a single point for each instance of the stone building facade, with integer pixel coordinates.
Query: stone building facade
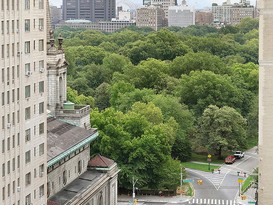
(23, 102)
(265, 102)
(181, 16)
(72, 177)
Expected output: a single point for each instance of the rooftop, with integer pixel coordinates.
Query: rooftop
(63, 137)
(78, 186)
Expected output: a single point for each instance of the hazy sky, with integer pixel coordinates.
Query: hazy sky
(196, 3)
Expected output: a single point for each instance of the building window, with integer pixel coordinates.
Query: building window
(27, 47)
(27, 135)
(41, 4)
(79, 166)
(41, 190)
(3, 98)
(41, 107)
(41, 128)
(27, 4)
(27, 113)
(27, 156)
(41, 149)
(41, 24)
(41, 45)
(28, 199)
(27, 25)
(41, 87)
(27, 91)
(3, 170)
(41, 170)
(3, 146)
(64, 177)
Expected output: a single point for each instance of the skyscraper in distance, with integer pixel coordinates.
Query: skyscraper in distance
(23, 91)
(93, 10)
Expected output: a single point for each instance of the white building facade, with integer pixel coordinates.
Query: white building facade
(265, 102)
(23, 100)
(181, 16)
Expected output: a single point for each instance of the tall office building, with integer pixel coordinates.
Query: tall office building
(23, 91)
(93, 10)
(265, 102)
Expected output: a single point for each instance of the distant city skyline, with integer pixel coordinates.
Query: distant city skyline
(198, 4)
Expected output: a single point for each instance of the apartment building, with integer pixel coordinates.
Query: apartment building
(181, 16)
(228, 13)
(151, 16)
(23, 102)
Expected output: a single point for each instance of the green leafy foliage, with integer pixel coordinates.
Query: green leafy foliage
(153, 90)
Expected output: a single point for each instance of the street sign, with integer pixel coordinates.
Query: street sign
(251, 202)
(188, 180)
(209, 159)
(209, 156)
(240, 180)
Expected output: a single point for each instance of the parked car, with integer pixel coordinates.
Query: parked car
(230, 159)
(239, 154)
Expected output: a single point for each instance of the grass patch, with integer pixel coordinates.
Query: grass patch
(247, 183)
(198, 166)
(204, 158)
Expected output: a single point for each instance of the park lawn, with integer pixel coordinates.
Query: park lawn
(200, 166)
(204, 158)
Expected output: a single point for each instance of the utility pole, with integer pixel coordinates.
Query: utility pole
(134, 183)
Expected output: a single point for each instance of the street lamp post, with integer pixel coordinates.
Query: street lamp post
(209, 161)
(134, 183)
(181, 180)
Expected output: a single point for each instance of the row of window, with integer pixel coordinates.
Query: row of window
(8, 190)
(10, 4)
(10, 25)
(10, 72)
(10, 143)
(10, 166)
(8, 50)
(10, 96)
(11, 118)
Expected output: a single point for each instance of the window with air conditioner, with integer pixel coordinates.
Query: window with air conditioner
(27, 69)
(41, 24)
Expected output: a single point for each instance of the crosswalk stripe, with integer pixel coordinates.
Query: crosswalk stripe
(205, 201)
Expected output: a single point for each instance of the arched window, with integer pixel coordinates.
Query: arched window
(48, 189)
(100, 201)
(79, 166)
(64, 177)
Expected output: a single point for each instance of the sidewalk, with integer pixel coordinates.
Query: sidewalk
(160, 199)
(250, 197)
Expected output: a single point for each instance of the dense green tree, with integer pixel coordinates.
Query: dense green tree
(102, 96)
(215, 46)
(248, 24)
(136, 144)
(222, 129)
(202, 88)
(196, 61)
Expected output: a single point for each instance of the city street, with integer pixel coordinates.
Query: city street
(217, 188)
